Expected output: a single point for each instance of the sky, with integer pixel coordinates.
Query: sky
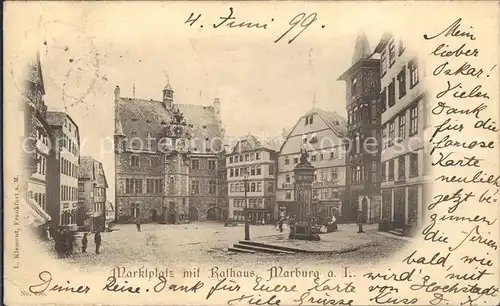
(87, 49)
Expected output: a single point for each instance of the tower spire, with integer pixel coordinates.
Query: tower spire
(314, 101)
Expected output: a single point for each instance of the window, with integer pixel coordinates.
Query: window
(258, 170)
(402, 126)
(133, 186)
(287, 178)
(231, 187)
(259, 187)
(287, 161)
(236, 172)
(374, 172)
(231, 172)
(391, 170)
(392, 52)
(384, 137)
(135, 210)
(150, 185)
(335, 173)
(354, 88)
(383, 100)
(81, 187)
(252, 156)
(313, 157)
(383, 63)
(413, 67)
(392, 93)
(211, 164)
(195, 187)
(270, 187)
(195, 164)
(391, 134)
(288, 195)
(241, 158)
(383, 172)
(413, 164)
(402, 47)
(231, 160)
(134, 160)
(211, 187)
(414, 120)
(402, 82)
(271, 170)
(252, 187)
(153, 161)
(247, 157)
(257, 156)
(295, 160)
(401, 167)
(252, 170)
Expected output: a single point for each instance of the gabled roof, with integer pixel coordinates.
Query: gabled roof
(89, 168)
(35, 75)
(251, 143)
(140, 118)
(383, 42)
(334, 121)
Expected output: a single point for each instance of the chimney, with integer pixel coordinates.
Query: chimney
(217, 107)
(117, 92)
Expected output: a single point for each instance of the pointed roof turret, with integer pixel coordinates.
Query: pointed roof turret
(361, 48)
(168, 87)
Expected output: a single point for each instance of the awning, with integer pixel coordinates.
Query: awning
(35, 214)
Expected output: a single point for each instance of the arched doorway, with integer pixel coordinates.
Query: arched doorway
(212, 214)
(153, 215)
(193, 213)
(364, 208)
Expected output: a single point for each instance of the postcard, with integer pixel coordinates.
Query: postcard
(251, 153)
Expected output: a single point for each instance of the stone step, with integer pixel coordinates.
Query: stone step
(265, 245)
(397, 232)
(237, 249)
(263, 248)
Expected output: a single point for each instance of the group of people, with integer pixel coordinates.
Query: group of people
(97, 241)
(65, 241)
(331, 221)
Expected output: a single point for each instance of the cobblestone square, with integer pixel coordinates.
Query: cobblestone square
(207, 243)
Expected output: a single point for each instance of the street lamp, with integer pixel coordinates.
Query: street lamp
(247, 225)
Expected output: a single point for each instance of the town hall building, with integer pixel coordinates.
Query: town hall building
(166, 158)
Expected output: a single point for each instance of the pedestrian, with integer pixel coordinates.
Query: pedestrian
(360, 221)
(138, 225)
(97, 240)
(84, 243)
(280, 225)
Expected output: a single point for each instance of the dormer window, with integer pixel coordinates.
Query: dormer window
(309, 120)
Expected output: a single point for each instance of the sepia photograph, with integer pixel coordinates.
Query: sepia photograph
(219, 145)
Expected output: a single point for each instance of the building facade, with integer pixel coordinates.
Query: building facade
(92, 193)
(222, 211)
(252, 166)
(405, 170)
(321, 134)
(363, 151)
(36, 143)
(166, 159)
(63, 194)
